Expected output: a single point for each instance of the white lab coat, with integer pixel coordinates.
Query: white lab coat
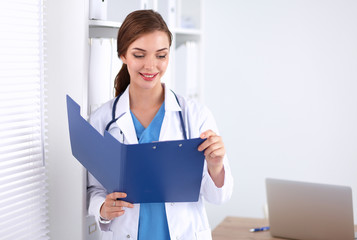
(186, 220)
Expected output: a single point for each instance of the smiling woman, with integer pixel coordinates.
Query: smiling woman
(146, 111)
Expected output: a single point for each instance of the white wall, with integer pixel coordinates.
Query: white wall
(281, 80)
(67, 64)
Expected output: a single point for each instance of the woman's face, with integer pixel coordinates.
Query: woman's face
(147, 59)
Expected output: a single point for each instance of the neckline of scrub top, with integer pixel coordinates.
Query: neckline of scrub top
(152, 132)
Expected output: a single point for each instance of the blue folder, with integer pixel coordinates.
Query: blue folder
(168, 171)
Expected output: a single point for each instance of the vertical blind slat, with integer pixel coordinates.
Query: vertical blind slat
(23, 182)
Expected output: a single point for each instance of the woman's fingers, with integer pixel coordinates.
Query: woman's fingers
(110, 215)
(214, 150)
(116, 195)
(217, 140)
(121, 204)
(114, 207)
(207, 134)
(213, 145)
(114, 200)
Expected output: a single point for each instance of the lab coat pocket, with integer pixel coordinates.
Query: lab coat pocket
(204, 235)
(107, 235)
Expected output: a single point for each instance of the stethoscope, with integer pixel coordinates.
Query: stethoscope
(115, 119)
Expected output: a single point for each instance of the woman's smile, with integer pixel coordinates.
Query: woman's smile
(148, 76)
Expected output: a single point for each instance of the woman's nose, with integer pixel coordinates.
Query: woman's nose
(149, 63)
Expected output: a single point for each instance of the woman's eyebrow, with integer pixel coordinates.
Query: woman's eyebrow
(139, 49)
(162, 49)
(143, 50)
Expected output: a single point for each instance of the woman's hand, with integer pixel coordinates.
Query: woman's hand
(214, 152)
(112, 208)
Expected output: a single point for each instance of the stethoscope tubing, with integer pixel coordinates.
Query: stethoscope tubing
(115, 119)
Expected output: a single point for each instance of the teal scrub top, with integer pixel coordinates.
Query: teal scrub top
(152, 218)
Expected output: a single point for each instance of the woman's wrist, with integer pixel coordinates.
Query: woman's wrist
(217, 174)
(103, 220)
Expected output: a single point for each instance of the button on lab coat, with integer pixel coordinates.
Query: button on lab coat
(186, 220)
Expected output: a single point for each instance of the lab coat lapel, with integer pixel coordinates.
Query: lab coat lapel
(171, 125)
(126, 125)
(125, 122)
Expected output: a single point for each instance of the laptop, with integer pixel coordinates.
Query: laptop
(309, 211)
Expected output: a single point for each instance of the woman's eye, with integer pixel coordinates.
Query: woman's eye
(162, 56)
(138, 56)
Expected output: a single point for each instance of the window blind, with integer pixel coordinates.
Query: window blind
(23, 190)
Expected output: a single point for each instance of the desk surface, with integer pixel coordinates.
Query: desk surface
(238, 228)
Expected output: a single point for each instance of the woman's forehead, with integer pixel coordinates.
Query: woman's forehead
(153, 41)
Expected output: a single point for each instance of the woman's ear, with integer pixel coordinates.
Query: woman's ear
(123, 59)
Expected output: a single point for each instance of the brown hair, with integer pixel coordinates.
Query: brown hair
(134, 26)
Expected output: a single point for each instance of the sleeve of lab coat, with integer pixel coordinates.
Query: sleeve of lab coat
(96, 193)
(96, 196)
(211, 193)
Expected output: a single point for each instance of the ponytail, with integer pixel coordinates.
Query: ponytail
(122, 80)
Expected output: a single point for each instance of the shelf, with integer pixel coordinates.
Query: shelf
(103, 24)
(103, 29)
(183, 35)
(109, 29)
(187, 31)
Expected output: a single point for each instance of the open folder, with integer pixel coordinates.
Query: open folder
(168, 171)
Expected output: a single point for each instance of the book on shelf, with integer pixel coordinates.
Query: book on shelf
(98, 9)
(187, 69)
(104, 65)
